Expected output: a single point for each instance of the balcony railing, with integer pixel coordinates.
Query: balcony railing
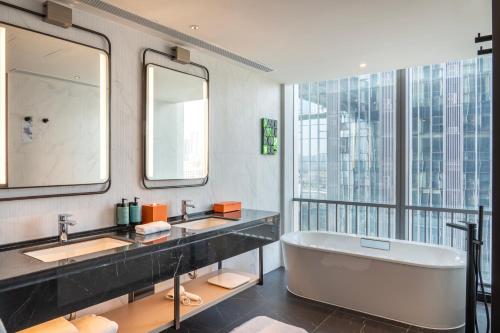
(421, 224)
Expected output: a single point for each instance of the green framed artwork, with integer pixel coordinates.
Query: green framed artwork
(269, 136)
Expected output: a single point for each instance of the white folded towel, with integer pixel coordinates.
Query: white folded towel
(95, 324)
(58, 325)
(151, 228)
(152, 237)
(263, 324)
(2, 328)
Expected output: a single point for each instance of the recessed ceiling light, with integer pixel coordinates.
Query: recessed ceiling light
(194, 27)
(363, 65)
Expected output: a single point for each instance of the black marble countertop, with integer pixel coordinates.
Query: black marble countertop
(17, 269)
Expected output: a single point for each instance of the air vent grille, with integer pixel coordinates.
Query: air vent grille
(173, 33)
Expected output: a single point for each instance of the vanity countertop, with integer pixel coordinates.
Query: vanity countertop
(18, 269)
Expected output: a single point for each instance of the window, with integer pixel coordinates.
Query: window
(346, 164)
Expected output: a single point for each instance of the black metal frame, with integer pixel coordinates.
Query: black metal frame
(495, 280)
(107, 183)
(177, 284)
(145, 65)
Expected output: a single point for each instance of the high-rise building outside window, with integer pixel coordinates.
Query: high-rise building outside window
(347, 133)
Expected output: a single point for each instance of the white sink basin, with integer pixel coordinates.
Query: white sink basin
(76, 249)
(208, 223)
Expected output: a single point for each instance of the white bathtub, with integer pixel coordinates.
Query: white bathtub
(413, 283)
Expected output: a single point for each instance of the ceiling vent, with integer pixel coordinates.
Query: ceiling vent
(106, 7)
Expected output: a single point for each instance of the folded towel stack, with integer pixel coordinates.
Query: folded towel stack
(85, 324)
(151, 228)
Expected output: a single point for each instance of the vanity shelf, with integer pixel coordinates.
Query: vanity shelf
(155, 313)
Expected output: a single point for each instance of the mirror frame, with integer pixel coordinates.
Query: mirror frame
(170, 183)
(107, 182)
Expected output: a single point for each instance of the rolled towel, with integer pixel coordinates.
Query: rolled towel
(151, 228)
(58, 325)
(95, 324)
(186, 298)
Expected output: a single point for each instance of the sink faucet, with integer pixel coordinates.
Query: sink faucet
(63, 227)
(185, 205)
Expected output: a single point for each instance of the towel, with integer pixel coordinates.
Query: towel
(156, 238)
(151, 228)
(186, 298)
(264, 324)
(2, 328)
(58, 325)
(95, 324)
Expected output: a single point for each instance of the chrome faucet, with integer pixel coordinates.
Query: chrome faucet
(63, 227)
(185, 205)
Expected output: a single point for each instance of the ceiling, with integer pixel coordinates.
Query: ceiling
(304, 40)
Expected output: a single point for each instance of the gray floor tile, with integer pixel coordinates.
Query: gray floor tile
(274, 301)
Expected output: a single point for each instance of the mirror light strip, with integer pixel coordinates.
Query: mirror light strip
(103, 114)
(206, 127)
(3, 111)
(150, 122)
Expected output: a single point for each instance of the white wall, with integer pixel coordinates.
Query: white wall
(239, 98)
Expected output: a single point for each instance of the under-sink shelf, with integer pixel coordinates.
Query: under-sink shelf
(155, 313)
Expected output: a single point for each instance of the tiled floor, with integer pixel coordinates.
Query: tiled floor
(273, 300)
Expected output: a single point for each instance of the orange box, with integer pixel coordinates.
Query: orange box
(227, 206)
(154, 212)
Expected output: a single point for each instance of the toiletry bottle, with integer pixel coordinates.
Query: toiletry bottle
(122, 213)
(135, 212)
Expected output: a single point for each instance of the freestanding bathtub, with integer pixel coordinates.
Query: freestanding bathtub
(413, 283)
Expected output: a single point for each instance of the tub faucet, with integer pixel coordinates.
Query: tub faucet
(63, 223)
(185, 205)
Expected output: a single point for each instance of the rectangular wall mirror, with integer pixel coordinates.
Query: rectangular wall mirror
(176, 125)
(54, 111)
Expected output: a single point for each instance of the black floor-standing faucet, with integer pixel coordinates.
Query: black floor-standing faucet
(474, 242)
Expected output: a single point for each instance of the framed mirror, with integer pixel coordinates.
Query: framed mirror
(176, 127)
(54, 111)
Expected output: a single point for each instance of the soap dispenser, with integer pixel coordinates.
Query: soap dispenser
(122, 213)
(135, 212)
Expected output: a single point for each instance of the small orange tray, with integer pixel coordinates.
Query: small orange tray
(227, 206)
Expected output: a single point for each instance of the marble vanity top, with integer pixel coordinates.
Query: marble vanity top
(16, 268)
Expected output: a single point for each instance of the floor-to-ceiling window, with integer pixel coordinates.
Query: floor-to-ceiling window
(448, 149)
(346, 136)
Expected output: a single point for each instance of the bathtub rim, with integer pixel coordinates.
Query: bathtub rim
(285, 240)
(376, 316)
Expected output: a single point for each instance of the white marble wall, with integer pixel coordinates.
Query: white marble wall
(239, 98)
(65, 150)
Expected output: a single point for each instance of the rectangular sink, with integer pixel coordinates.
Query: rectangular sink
(76, 249)
(203, 224)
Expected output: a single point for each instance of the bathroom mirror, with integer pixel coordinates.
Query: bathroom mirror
(54, 111)
(176, 126)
